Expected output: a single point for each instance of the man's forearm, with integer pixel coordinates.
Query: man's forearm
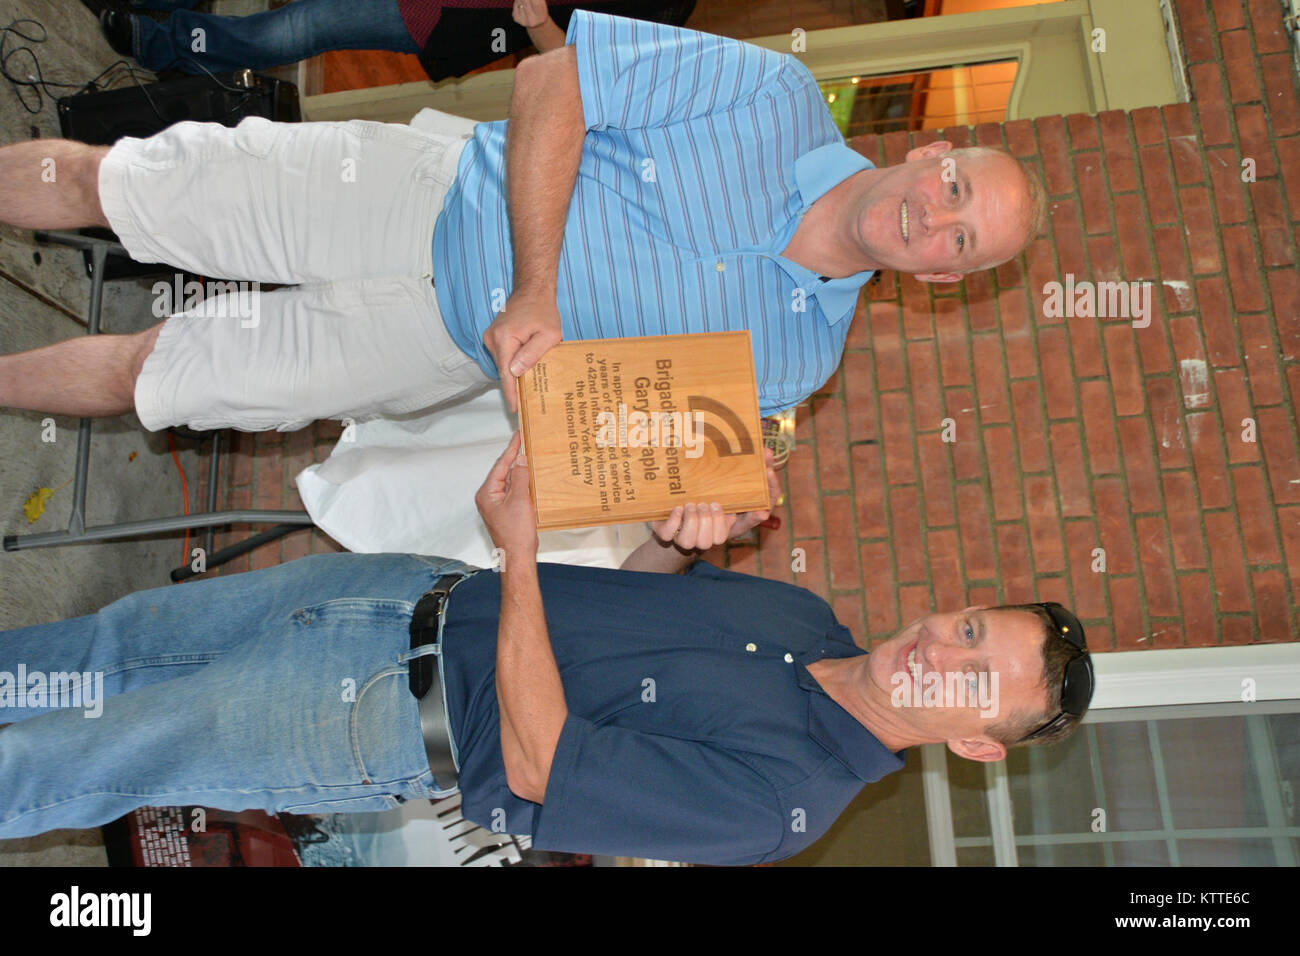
(543, 151)
(546, 37)
(530, 696)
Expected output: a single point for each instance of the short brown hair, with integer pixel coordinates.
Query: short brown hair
(1057, 653)
(1037, 201)
(1038, 214)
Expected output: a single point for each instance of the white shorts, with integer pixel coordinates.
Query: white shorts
(342, 211)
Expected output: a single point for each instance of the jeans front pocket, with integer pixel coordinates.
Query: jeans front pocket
(383, 612)
(374, 803)
(363, 724)
(384, 729)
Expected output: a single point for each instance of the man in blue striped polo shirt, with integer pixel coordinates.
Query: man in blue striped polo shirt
(650, 180)
(711, 191)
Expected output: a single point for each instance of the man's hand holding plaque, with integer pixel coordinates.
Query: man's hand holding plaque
(698, 527)
(522, 333)
(505, 505)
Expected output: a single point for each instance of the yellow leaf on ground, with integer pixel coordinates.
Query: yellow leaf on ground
(34, 506)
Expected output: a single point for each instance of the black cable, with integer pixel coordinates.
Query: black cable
(244, 93)
(34, 81)
(212, 76)
(35, 85)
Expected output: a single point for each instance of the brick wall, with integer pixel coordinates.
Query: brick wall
(257, 471)
(1076, 434)
(1071, 434)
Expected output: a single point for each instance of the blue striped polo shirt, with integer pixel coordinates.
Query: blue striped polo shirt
(701, 156)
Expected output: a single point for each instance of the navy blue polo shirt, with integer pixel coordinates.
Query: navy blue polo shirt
(695, 732)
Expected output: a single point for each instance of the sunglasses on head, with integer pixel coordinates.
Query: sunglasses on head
(1077, 687)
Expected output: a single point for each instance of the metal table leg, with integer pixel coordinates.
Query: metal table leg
(77, 532)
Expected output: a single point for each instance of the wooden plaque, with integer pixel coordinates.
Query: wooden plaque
(620, 430)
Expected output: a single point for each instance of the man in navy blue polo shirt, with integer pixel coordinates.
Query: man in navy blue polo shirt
(650, 180)
(706, 717)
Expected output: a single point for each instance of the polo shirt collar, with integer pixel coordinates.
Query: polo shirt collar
(837, 731)
(819, 170)
(839, 297)
(816, 172)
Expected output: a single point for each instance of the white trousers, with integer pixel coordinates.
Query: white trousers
(343, 213)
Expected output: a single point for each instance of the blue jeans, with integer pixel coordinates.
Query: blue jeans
(294, 32)
(277, 690)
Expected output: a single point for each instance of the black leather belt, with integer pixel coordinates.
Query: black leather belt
(426, 681)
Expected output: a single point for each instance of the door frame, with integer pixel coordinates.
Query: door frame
(1060, 72)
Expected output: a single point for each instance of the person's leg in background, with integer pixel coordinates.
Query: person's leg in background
(195, 42)
(285, 689)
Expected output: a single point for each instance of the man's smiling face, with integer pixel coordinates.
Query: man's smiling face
(976, 643)
(944, 213)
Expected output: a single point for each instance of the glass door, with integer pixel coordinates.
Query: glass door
(1206, 785)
